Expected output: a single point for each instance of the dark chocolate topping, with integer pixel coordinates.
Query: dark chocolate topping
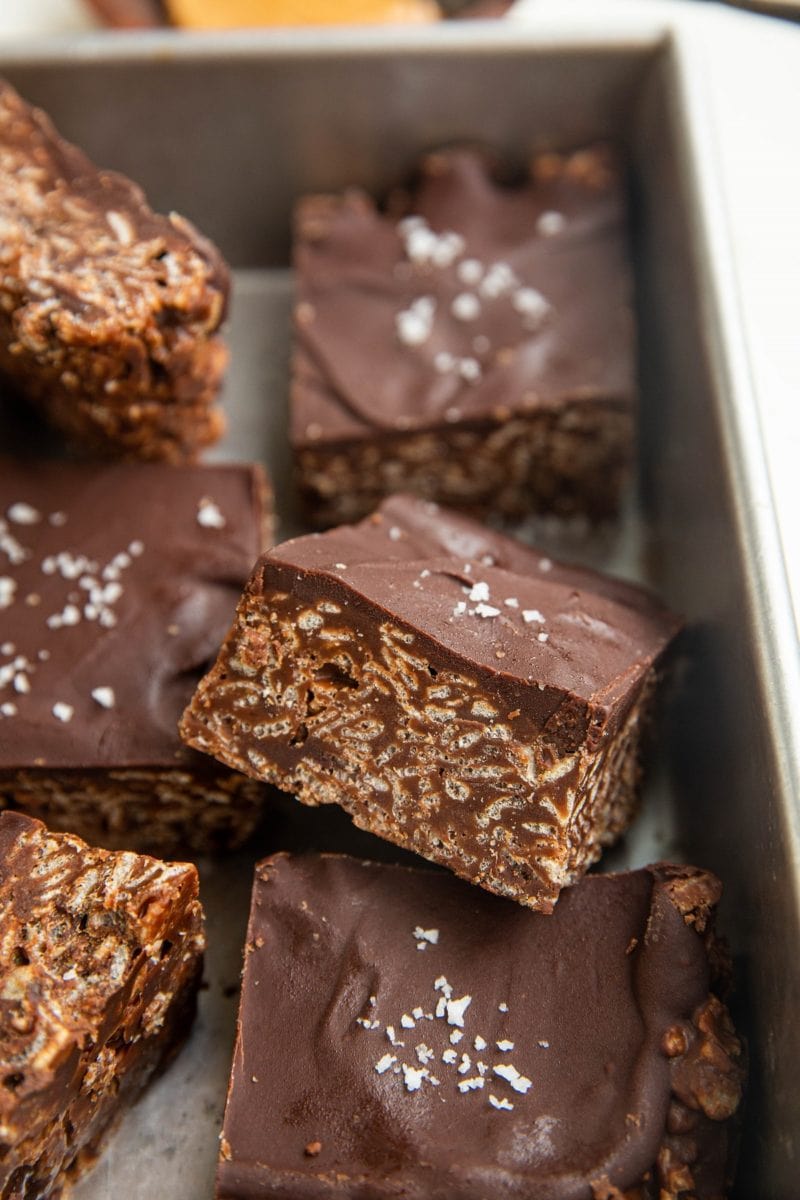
(470, 297)
(489, 599)
(117, 585)
(432, 1041)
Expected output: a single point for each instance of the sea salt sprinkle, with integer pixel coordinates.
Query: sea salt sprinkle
(428, 251)
(486, 610)
(92, 591)
(531, 305)
(23, 514)
(466, 307)
(415, 324)
(512, 1076)
(467, 1076)
(13, 549)
(551, 223)
(470, 271)
(413, 1077)
(209, 515)
(425, 937)
(8, 589)
(424, 247)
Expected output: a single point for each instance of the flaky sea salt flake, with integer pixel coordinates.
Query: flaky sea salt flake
(456, 1010)
(8, 588)
(466, 307)
(486, 610)
(512, 1077)
(550, 223)
(413, 1077)
(209, 515)
(24, 514)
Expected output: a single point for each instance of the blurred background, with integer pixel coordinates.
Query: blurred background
(60, 16)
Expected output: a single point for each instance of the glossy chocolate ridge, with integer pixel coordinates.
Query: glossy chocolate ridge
(619, 1068)
(455, 691)
(109, 310)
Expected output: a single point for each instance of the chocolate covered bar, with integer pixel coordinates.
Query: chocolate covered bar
(403, 1034)
(117, 585)
(100, 960)
(473, 343)
(108, 311)
(455, 691)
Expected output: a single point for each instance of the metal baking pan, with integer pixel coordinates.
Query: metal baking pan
(229, 131)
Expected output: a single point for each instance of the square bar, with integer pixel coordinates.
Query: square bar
(403, 1034)
(108, 311)
(471, 343)
(117, 585)
(455, 691)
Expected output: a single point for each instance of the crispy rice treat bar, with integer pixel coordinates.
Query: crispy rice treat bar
(473, 343)
(404, 1034)
(453, 690)
(100, 960)
(117, 585)
(108, 311)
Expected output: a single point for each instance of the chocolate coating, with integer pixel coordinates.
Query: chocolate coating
(471, 343)
(455, 691)
(576, 1010)
(111, 584)
(602, 633)
(355, 277)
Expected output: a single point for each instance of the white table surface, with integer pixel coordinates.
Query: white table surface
(751, 66)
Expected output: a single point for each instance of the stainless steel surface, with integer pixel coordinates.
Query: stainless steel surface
(229, 132)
